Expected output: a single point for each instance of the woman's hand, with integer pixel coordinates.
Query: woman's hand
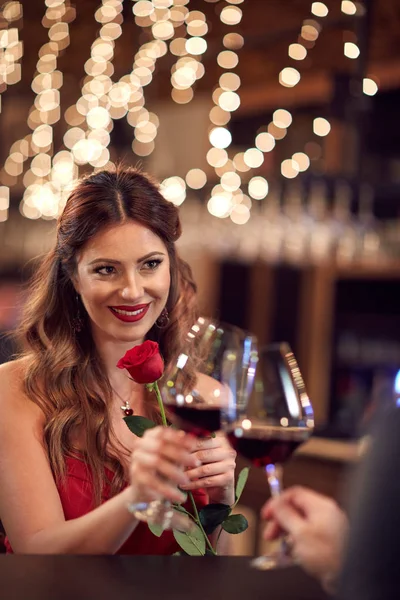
(316, 526)
(217, 471)
(158, 464)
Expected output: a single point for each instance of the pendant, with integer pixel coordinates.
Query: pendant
(128, 411)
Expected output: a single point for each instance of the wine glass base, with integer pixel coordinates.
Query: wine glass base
(162, 514)
(272, 561)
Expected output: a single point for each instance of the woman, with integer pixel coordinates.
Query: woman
(69, 466)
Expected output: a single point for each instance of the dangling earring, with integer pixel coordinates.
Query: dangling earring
(77, 321)
(163, 319)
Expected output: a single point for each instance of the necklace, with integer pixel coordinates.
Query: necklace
(126, 408)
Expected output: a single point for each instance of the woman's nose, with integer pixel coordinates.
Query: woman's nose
(132, 287)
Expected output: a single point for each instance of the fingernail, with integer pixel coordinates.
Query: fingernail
(197, 462)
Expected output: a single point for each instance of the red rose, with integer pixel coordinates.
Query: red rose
(143, 363)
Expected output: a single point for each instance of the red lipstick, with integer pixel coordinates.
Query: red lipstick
(125, 313)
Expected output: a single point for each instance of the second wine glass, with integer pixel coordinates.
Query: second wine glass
(277, 418)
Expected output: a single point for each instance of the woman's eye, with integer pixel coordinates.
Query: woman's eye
(152, 264)
(107, 270)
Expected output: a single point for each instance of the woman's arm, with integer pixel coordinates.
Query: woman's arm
(102, 531)
(30, 506)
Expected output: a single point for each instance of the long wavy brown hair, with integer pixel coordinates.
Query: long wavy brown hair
(64, 374)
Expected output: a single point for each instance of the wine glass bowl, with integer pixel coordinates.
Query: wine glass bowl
(278, 416)
(263, 444)
(202, 390)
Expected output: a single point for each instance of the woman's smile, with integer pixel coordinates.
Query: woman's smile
(130, 314)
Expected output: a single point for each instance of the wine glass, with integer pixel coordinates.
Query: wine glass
(200, 393)
(276, 420)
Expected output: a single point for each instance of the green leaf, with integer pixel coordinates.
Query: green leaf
(179, 554)
(213, 515)
(181, 509)
(138, 425)
(241, 482)
(235, 524)
(192, 543)
(155, 529)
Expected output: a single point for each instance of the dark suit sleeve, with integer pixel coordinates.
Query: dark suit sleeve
(372, 564)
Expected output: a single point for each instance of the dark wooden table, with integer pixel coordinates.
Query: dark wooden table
(148, 578)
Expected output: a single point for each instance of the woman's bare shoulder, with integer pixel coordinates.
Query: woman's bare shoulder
(12, 375)
(207, 384)
(12, 395)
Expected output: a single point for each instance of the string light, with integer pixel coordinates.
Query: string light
(188, 67)
(44, 111)
(319, 9)
(4, 202)
(289, 168)
(258, 188)
(172, 27)
(196, 179)
(321, 126)
(11, 52)
(11, 48)
(91, 118)
(302, 160)
(351, 50)
(265, 141)
(49, 180)
(297, 51)
(370, 87)
(160, 21)
(348, 8)
(240, 214)
(226, 98)
(290, 77)
(174, 190)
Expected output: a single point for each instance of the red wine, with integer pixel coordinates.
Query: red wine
(267, 444)
(197, 420)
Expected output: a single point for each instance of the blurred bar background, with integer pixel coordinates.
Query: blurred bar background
(274, 125)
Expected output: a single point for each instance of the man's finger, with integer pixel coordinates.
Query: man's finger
(288, 517)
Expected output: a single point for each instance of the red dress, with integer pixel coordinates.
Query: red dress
(76, 494)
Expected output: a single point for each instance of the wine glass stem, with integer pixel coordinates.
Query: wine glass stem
(274, 476)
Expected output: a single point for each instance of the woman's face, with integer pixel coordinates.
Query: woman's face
(123, 278)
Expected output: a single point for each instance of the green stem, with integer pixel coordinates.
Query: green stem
(219, 535)
(196, 513)
(160, 404)
(197, 519)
